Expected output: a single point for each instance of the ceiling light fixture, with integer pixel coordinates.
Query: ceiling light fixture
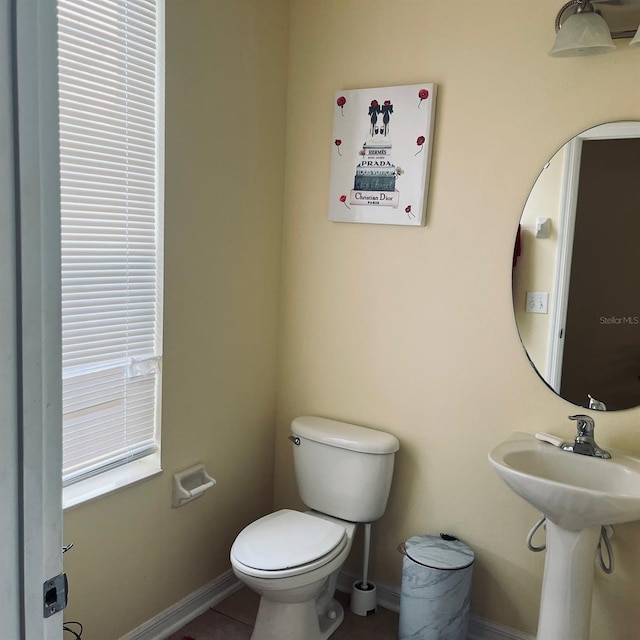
(583, 31)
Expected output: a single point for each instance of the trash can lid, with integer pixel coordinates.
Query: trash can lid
(439, 552)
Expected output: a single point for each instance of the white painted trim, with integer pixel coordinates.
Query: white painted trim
(612, 130)
(564, 255)
(176, 616)
(10, 603)
(111, 481)
(38, 211)
(566, 230)
(479, 628)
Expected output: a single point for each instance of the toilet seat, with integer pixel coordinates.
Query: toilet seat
(287, 543)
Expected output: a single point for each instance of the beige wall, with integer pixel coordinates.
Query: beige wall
(412, 329)
(134, 556)
(535, 269)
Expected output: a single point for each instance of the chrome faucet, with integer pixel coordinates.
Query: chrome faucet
(597, 405)
(585, 443)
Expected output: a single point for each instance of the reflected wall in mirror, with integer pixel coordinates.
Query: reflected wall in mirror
(586, 346)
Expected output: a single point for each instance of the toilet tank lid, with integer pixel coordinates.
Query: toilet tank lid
(344, 435)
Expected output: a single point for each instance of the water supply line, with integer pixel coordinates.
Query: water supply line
(606, 533)
(532, 533)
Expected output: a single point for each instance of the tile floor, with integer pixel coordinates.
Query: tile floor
(232, 619)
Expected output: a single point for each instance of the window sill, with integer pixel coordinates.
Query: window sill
(110, 481)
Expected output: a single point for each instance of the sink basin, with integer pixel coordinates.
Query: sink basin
(578, 494)
(572, 490)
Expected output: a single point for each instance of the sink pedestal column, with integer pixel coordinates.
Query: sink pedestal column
(565, 604)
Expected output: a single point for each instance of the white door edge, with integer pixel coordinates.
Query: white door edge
(10, 603)
(39, 337)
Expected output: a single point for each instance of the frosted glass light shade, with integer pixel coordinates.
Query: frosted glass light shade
(636, 40)
(582, 34)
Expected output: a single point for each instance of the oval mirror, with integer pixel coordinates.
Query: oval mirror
(576, 267)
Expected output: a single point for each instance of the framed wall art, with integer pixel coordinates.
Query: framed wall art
(381, 154)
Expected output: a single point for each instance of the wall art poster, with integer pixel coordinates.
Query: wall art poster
(381, 154)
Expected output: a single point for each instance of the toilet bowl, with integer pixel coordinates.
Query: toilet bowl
(292, 559)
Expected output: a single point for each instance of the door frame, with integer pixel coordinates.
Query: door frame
(35, 90)
(10, 601)
(566, 230)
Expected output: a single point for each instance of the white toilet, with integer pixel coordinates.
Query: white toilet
(292, 559)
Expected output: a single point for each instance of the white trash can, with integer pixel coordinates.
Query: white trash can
(436, 588)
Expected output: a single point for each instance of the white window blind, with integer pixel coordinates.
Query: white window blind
(110, 156)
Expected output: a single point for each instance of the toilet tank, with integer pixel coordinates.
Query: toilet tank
(343, 470)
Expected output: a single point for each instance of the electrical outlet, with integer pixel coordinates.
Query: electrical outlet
(537, 302)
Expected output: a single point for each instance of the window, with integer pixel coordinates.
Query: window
(110, 77)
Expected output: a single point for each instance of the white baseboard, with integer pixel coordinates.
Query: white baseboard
(479, 629)
(176, 616)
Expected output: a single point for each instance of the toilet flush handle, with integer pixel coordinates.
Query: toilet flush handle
(295, 440)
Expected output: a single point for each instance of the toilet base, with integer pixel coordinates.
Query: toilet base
(296, 621)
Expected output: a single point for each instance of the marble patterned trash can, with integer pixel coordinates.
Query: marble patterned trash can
(436, 588)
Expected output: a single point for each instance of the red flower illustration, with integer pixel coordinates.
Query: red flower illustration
(343, 199)
(341, 101)
(338, 142)
(408, 211)
(423, 94)
(374, 103)
(387, 102)
(420, 143)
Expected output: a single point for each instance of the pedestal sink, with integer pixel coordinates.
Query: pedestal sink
(577, 494)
